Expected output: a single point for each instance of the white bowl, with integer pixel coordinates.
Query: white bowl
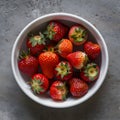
(40, 23)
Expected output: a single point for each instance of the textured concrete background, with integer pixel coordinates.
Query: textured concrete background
(15, 14)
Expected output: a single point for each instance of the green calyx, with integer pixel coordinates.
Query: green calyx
(37, 40)
(50, 31)
(63, 69)
(79, 34)
(50, 48)
(63, 90)
(24, 54)
(36, 86)
(91, 71)
(86, 60)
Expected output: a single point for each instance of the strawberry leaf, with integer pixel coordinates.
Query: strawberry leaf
(36, 86)
(37, 39)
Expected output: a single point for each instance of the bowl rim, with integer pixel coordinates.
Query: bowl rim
(69, 15)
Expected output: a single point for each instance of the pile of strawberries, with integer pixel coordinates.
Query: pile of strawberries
(55, 66)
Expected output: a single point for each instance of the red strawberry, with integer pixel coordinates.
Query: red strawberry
(78, 88)
(64, 47)
(63, 70)
(48, 61)
(78, 34)
(77, 59)
(90, 72)
(58, 91)
(56, 31)
(39, 83)
(92, 50)
(28, 64)
(36, 44)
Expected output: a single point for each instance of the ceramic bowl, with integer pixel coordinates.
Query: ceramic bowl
(39, 24)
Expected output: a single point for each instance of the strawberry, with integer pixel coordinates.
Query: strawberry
(92, 50)
(39, 84)
(48, 61)
(28, 64)
(56, 31)
(36, 44)
(90, 72)
(64, 47)
(78, 88)
(58, 91)
(77, 59)
(63, 70)
(77, 34)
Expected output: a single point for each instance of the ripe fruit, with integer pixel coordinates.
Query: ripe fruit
(56, 31)
(63, 70)
(78, 34)
(62, 58)
(48, 61)
(92, 50)
(90, 72)
(28, 64)
(58, 90)
(77, 59)
(78, 88)
(36, 44)
(64, 47)
(39, 83)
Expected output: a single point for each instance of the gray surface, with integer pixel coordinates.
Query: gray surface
(14, 15)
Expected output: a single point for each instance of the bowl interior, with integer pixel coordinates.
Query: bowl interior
(40, 25)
